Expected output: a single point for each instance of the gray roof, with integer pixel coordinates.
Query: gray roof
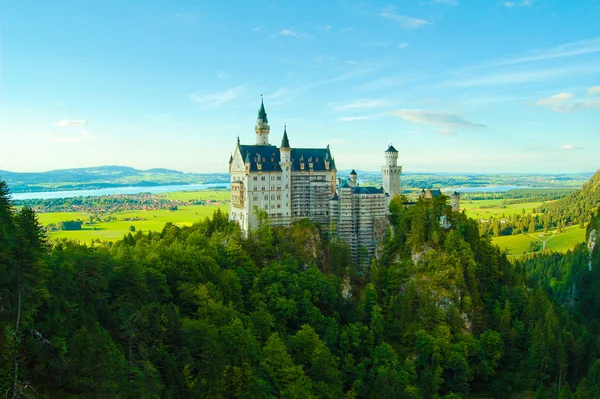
(391, 149)
(266, 155)
(262, 114)
(317, 156)
(269, 157)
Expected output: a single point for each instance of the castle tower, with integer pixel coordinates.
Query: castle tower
(353, 177)
(455, 200)
(285, 163)
(390, 172)
(262, 126)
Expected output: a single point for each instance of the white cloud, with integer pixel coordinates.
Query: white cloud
(363, 104)
(445, 121)
(568, 147)
(257, 28)
(593, 90)
(565, 102)
(402, 45)
(215, 99)
(291, 33)
(71, 122)
(403, 20)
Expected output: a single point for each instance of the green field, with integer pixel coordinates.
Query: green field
(561, 242)
(154, 220)
(474, 208)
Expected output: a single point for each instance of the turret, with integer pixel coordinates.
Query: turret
(353, 177)
(262, 126)
(390, 172)
(285, 151)
(391, 156)
(455, 200)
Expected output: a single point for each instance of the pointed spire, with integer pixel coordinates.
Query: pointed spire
(262, 114)
(238, 141)
(247, 157)
(353, 173)
(231, 158)
(285, 143)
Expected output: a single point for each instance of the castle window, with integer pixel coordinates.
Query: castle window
(278, 177)
(262, 178)
(255, 178)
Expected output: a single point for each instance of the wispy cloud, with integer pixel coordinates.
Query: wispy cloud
(447, 122)
(360, 117)
(290, 92)
(593, 90)
(357, 104)
(257, 28)
(564, 50)
(374, 44)
(385, 83)
(292, 33)
(71, 122)
(403, 20)
(523, 3)
(565, 102)
(402, 45)
(215, 99)
(523, 76)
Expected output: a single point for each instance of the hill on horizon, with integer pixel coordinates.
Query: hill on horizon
(103, 177)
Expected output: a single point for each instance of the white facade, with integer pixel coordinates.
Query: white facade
(294, 183)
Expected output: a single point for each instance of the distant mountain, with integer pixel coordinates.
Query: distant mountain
(103, 177)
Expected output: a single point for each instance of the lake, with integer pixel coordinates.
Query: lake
(116, 190)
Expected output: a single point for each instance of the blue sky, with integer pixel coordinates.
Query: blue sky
(455, 85)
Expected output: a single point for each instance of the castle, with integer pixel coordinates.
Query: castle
(290, 183)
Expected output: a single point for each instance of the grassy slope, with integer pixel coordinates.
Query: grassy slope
(519, 244)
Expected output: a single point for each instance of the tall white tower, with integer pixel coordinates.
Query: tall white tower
(455, 200)
(262, 126)
(390, 172)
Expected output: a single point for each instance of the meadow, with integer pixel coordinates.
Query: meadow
(484, 209)
(152, 220)
(560, 242)
(520, 244)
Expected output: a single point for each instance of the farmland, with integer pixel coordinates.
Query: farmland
(141, 220)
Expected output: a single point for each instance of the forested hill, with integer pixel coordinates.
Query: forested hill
(204, 312)
(103, 177)
(577, 206)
